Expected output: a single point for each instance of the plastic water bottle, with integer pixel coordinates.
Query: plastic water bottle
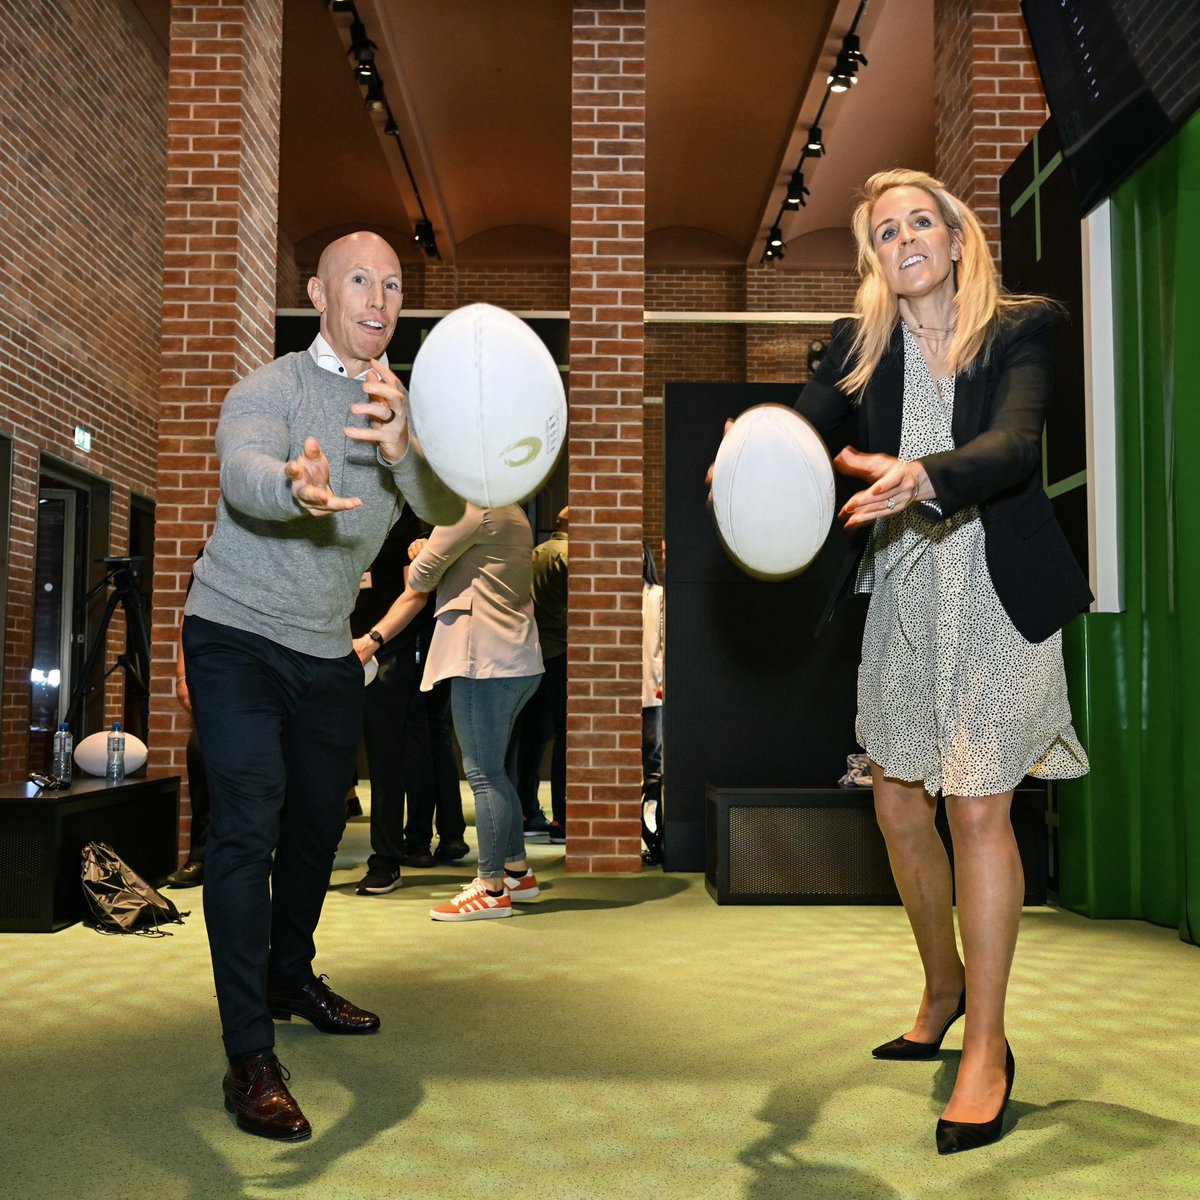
(116, 755)
(64, 754)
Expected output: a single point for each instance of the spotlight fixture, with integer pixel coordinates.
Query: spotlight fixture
(423, 236)
(363, 50)
(816, 145)
(796, 191)
(852, 49)
(375, 101)
(842, 78)
(845, 70)
(775, 238)
(341, 6)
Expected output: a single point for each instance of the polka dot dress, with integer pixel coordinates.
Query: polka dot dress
(949, 692)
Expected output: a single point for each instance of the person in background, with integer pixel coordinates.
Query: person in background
(962, 688)
(545, 716)
(486, 642)
(653, 648)
(396, 725)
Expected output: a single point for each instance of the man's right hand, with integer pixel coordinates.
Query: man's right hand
(310, 483)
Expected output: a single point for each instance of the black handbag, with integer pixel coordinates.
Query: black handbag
(120, 900)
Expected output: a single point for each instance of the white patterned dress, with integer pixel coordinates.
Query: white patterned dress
(949, 692)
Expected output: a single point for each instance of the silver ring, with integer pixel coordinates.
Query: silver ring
(389, 418)
(891, 502)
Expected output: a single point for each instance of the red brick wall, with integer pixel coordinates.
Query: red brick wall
(515, 287)
(988, 100)
(604, 770)
(81, 171)
(219, 286)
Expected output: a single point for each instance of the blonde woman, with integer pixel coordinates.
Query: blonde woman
(961, 689)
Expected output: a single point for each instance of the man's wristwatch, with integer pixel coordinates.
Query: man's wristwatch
(375, 636)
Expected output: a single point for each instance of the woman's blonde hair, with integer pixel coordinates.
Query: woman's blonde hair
(979, 303)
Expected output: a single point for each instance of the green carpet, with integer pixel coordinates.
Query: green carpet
(621, 1037)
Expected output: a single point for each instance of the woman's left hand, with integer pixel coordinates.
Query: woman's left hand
(895, 484)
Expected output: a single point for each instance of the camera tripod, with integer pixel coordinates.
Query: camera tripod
(122, 575)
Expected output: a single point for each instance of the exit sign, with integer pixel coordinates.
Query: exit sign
(83, 439)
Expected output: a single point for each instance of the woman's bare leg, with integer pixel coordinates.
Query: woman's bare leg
(991, 889)
(905, 813)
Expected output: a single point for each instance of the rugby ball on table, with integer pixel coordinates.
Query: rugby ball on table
(773, 493)
(487, 405)
(91, 755)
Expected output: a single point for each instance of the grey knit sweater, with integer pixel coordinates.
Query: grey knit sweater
(270, 567)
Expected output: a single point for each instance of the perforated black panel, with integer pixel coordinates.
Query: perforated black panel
(23, 849)
(831, 853)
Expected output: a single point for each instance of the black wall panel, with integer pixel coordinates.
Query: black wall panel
(752, 698)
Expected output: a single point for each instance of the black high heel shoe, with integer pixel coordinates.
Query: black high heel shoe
(902, 1049)
(955, 1136)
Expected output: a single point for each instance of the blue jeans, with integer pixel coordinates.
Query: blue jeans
(485, 711)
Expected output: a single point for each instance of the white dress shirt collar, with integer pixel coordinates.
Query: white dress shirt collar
(325, 358)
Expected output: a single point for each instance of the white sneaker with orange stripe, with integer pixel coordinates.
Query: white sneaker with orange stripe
(520, 890)
(473, 904)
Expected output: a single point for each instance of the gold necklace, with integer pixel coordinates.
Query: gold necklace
(930, 331)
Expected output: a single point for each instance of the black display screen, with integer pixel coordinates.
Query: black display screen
(1120, 77)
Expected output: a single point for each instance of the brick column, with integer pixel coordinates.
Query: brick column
(607, 287)
(988, 100)
(218, 290)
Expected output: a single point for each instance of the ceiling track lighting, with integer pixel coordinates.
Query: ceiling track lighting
(362, 50)
(424, 237)
(841, 78)
(796, 191)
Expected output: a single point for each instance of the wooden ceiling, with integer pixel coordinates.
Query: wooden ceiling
(480, 90)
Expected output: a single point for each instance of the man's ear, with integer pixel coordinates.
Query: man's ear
(316, 293)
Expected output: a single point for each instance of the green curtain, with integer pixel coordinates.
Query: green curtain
(1130, 831)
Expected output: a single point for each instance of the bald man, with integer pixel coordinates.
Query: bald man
(316, 464)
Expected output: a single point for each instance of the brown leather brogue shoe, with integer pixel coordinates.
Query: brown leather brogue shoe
(257, 1095)
(318, 1003)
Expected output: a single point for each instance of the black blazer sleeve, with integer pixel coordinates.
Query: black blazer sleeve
(998, 437)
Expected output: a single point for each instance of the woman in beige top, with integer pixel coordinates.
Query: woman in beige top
(486, 641)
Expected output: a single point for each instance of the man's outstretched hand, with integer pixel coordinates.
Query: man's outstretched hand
(310, 483)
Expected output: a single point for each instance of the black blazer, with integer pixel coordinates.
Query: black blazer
(999, 413)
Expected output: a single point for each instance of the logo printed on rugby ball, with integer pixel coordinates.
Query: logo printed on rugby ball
(522, 452)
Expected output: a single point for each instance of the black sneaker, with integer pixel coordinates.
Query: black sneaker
(378, 881)
(418, 856)
(451, 850)
(557, 833)
(537, 826)
(189, 875)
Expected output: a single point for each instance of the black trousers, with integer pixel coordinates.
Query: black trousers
(280, 731)
(410, 755)
(198, 798)
(543, 718)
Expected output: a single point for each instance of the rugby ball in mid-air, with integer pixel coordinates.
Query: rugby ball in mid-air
(91, 755)
(773, 494)
(487, 405)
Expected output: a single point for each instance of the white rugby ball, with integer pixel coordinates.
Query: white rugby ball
(370, 670)
(91, 755)
(487, 405)
(773, 493)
